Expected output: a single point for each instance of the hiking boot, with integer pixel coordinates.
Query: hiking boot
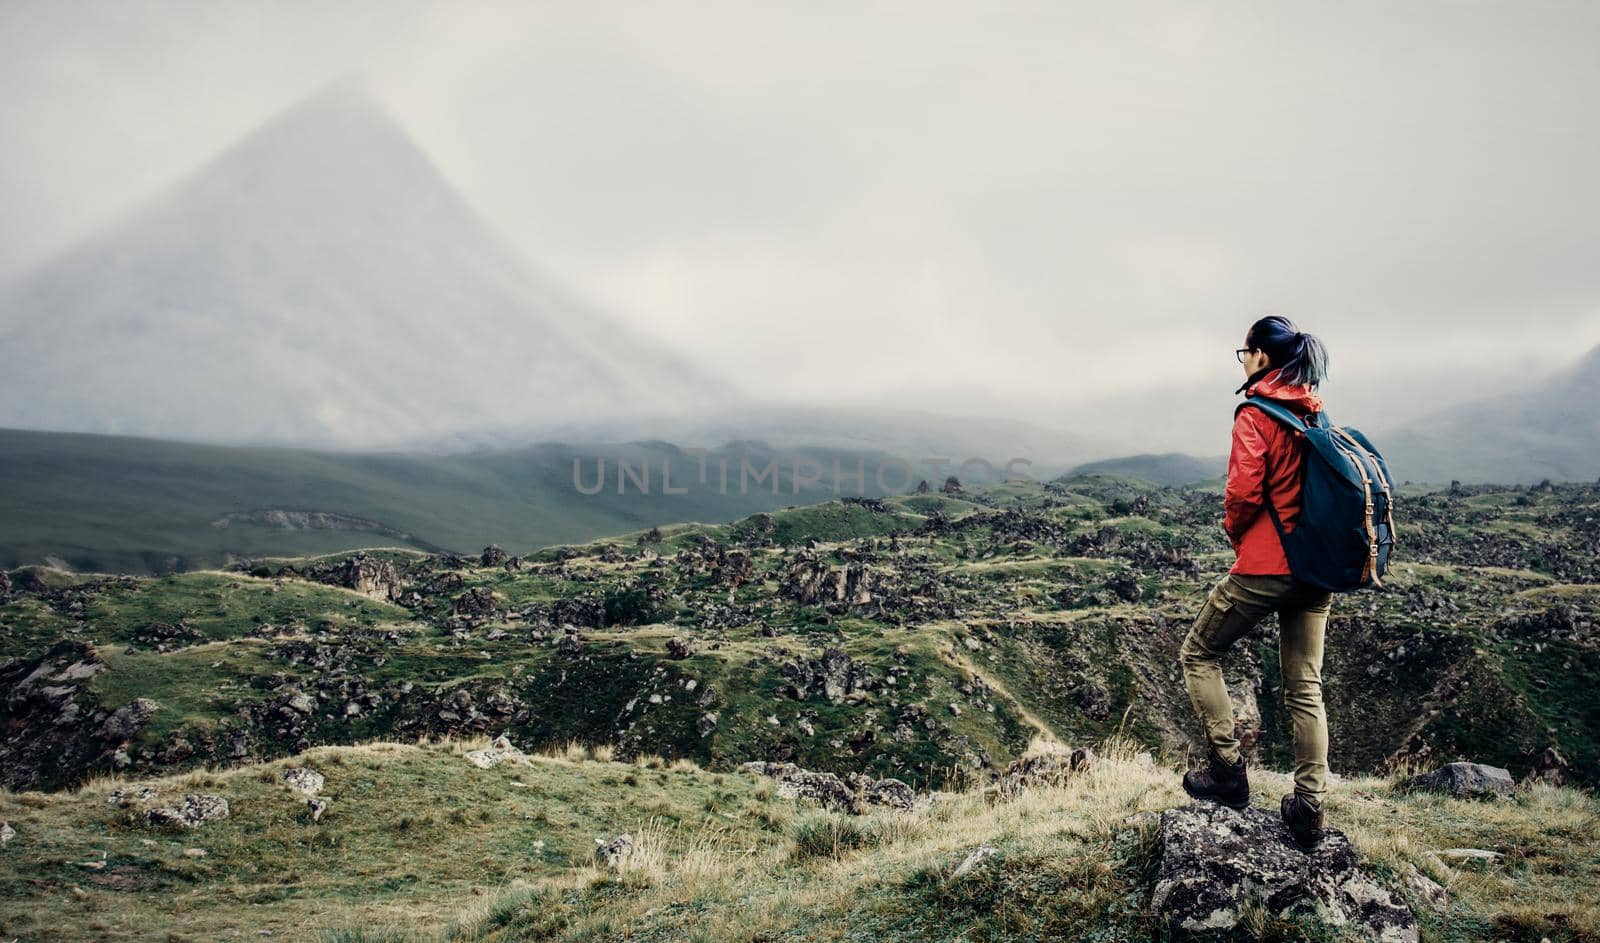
(1219, 781)
(1304, 818)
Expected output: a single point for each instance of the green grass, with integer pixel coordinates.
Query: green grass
(419, 846)
(122, 504)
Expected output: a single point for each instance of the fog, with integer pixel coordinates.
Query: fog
(1021, 211)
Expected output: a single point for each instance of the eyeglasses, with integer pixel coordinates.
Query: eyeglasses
(1242, 351)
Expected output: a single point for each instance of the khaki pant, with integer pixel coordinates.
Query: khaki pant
(1234, 606)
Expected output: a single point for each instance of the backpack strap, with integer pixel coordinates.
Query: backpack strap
(1280, 412)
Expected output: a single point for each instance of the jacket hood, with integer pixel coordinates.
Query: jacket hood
(1296, 396)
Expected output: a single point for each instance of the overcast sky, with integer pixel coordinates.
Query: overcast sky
(998, 202)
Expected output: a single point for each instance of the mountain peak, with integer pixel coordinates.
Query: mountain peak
(319, 282)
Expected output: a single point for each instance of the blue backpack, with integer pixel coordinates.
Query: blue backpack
(1342, 538)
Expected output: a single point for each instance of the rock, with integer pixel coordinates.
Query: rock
(366, 575)
(978, 856)
(679, 648)
(1551, 767)
(302, 780)
(1126, 584)
(889, 792)
(127, 720)
(492, 556)
(316, 807)
(79, 670)
(853, 794)
(1425, 891)
(952, 485)
(1463, 855)
(1095, 701)
(6, 834)
(475, 604)
(1464, 780)
(1042, 769)
(124, 796)
(195, 810)
(810, 581)
(706, 723)
(501, 750)
(614, 854)
(1214, 861)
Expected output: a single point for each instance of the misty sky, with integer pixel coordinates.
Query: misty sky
(948, 205)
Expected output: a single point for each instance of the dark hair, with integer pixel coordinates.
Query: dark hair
(1300, 357)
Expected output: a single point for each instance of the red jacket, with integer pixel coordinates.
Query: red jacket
(1264, 466)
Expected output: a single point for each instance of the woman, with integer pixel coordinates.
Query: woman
(1283, 364)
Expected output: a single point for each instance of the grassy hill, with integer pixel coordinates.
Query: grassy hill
(419, 845)
(134, 505)
(932, 638)
(1167, 468)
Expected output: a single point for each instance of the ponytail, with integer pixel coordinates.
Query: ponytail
(1300, 358)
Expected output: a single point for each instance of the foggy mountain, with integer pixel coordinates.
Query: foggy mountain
(1548, 430)
(318, 283)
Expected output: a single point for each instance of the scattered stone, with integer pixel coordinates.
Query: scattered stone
(1126, 585)
(476, 603)
(1425, 891)
(195, 810)
(679, 648)
(1465, 781)
(1215, 861)
(1042, 769)
(6, 833)
(303, 780)
(124, 796)
(366, 575)
(316, 807)
(978, 856)
(127, 720)
(855, 793)
(1551, 767)
(501, 750)
(614, 854)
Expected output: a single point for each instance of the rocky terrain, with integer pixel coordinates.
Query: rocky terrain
(929, 637)
(858, 653)
(479, 840)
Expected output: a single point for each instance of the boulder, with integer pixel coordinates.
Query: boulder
(302, 780)
(501, 750)
(195, 810)
(127, 720)
(1464, 781)
(475, 604)
(1216, 862)
(366, 575)
(614, 854)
